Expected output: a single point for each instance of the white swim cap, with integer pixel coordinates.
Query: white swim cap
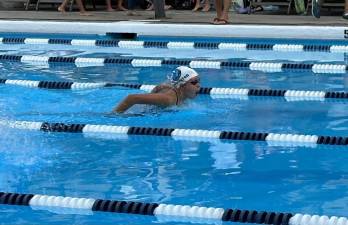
(181, 75)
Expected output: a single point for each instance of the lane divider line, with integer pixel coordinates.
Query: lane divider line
(298, 139)
(152, 62)
(168, 210)
(180, 44)
(289, 95)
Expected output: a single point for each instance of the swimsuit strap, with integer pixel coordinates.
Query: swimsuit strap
(177, 96)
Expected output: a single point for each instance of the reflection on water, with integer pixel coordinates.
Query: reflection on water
(225, 156)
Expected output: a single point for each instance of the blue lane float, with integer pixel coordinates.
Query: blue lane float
(154, 62)
(290, 95)
(176, 133)
(168, 210)
(179, 44)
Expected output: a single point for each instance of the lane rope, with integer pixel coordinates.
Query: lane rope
(152, 62)
(289, 95)
(179, 44)
(298, 139)
(168, 210)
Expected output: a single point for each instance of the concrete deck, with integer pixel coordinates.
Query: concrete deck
(175, 16)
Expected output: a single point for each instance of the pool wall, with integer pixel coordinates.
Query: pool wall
(163, 29)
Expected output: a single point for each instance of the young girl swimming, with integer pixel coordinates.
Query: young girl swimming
(183, 83)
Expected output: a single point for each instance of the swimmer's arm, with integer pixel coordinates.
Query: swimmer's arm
(158, 99)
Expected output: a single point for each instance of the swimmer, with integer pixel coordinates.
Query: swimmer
(183, 83)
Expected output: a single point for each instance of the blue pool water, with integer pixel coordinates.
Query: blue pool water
(227, 174)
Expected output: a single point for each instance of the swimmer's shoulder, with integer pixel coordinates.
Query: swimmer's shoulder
(162, 88)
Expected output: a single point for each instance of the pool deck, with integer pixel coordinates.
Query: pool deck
(173, 16)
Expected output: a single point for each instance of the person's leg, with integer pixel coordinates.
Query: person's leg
(226, 10)
(316, 6)
(62, 6)
(82, 8)
(206, 7)
(218, 7)
(197, 6)
(223, 12)
(151, 7)
(109, 6)
(131, 7)
(120, 5)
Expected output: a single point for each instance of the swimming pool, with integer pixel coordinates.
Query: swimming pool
(291, 175)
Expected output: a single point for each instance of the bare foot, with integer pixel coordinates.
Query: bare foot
(85, 14)
(110, 10)
(206, 8)
(168, 7)
(121, 8)
(61, 9)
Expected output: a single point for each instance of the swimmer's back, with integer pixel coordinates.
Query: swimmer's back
(164, 88)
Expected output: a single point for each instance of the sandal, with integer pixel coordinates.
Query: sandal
(221, 22)
(215, 20)
(345, 15)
